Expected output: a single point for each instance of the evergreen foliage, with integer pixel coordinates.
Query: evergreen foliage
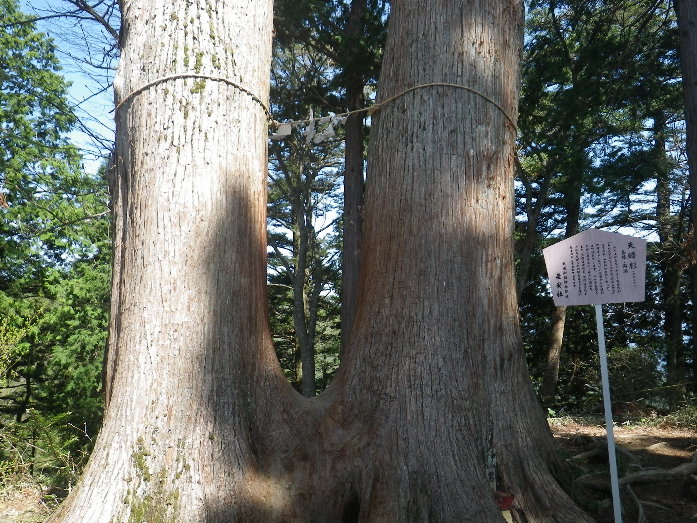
(54, 262)
(598, 77)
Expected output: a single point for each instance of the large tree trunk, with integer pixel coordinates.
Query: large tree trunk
(189, 307)
(432, 409)
(436, 374)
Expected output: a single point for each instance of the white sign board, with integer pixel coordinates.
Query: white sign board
(596, 267)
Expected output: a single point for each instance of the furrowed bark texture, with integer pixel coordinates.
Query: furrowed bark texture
(190, 242)
(435, 373)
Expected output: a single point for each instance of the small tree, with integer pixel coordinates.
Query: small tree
(303, 206)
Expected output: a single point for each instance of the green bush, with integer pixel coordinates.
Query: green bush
(684, 417)
(43, 447)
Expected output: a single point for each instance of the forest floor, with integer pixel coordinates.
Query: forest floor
(644, 450)
(22, 501)
(648, 455)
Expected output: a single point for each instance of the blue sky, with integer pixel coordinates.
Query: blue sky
(90, 92)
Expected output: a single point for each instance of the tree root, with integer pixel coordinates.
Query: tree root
(599, 481)
(641, 516)
(657, 474)
(599, 450)
(649, 475)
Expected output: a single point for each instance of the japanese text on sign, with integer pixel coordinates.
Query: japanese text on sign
(596, 267)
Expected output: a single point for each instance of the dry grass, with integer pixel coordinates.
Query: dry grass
(22, 500)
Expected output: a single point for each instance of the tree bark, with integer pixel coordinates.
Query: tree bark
(301, 312)
(189, 308)
(533, 210)
(687, 24)
(436, 341)
(432, 410)
(550, 378)
(693, 327)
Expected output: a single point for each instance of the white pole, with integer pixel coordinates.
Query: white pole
(616, 502)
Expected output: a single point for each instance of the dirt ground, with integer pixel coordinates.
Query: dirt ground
(23, 504)
(645, 452)
(643, 449)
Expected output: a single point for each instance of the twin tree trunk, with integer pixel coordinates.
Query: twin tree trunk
(432, 409)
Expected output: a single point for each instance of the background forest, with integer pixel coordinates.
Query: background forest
(601, 144)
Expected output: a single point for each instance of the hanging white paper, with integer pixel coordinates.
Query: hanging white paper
(324, 135)
(284, 130)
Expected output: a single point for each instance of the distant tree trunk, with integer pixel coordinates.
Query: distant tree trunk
(353, 183)
(533, 211)
(693, 328)
(670, 263)
(23, 405)
(304, 268)
(687, 25)
(301, 312)
(550, 378)
(432, 409)
(555, 342)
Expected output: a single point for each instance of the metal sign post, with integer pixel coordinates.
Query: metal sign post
(604, 376)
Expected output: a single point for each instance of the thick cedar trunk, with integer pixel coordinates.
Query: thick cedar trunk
(435, 377)
(188, 321)
(432, 409)
(353, 184)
